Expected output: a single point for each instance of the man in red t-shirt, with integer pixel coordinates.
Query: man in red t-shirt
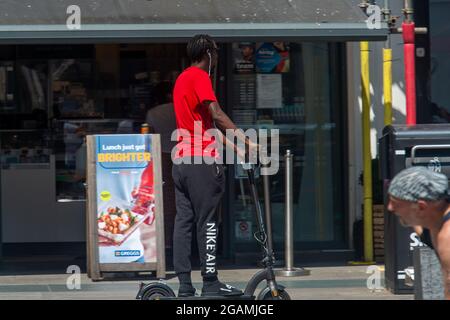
(199, 180)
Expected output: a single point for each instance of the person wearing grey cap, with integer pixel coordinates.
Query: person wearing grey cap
(420, 198)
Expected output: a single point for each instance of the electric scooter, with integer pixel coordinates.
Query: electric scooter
(272, 291)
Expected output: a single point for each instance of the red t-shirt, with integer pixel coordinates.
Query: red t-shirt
(192, 88)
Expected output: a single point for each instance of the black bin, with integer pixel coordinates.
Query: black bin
(400, 147)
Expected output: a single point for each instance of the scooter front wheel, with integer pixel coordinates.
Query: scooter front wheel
(156, 291)
(266, 294)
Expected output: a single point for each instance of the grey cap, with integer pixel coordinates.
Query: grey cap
(419, 183)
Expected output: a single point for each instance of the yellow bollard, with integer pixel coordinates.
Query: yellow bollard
(387, 85)
(367, 157)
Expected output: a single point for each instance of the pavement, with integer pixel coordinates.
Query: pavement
(324, 283)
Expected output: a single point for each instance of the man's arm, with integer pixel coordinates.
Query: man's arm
(229, 144)
(223, 122)
(444, 255)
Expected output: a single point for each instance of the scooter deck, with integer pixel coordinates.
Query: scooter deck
(241, 297)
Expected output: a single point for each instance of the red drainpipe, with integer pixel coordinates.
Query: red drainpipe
(408, 27)
(410, 71)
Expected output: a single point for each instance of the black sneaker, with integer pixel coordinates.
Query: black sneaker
(218, 288)
(186, 290)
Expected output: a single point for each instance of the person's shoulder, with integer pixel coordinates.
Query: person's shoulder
(444, 233)
(189, 75)
(197, 73)
(443, 240)
(185, 73)
(190, 71)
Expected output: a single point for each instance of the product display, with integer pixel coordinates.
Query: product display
(24, 147)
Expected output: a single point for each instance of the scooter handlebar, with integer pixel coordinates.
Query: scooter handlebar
(250, 168)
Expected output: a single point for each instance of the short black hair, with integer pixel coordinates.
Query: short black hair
(198, 47)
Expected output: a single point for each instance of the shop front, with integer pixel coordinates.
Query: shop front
(285, 70)
(300, 94)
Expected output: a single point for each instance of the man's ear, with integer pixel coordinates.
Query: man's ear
(423, 205)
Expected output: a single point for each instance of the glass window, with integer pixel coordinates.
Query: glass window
(75, 90)
(440, 64)
(32, 82)
(110, 93)
(291, 87)
(7, 87)
(69, 148)
(20, 149)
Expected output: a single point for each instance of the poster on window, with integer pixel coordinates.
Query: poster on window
(128, 221)
(269, 91)
(244, 57)
(272, 57)
(244, 91)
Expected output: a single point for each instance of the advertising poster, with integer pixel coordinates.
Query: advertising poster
(272, 57)
(125, 199)
(244, 57)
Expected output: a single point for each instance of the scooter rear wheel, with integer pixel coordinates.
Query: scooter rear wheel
(156, 291)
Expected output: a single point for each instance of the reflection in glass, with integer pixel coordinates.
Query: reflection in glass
(309, 125)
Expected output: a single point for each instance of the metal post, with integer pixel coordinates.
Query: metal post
(290, 270)
(387, 69)
(268, 210)
(386, 11)
(390, 22)
(288, 236)
(408, 10)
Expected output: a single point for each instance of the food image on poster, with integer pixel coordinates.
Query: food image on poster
(125, 199)
(117, 224)
(244, 57)
(272, 57)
